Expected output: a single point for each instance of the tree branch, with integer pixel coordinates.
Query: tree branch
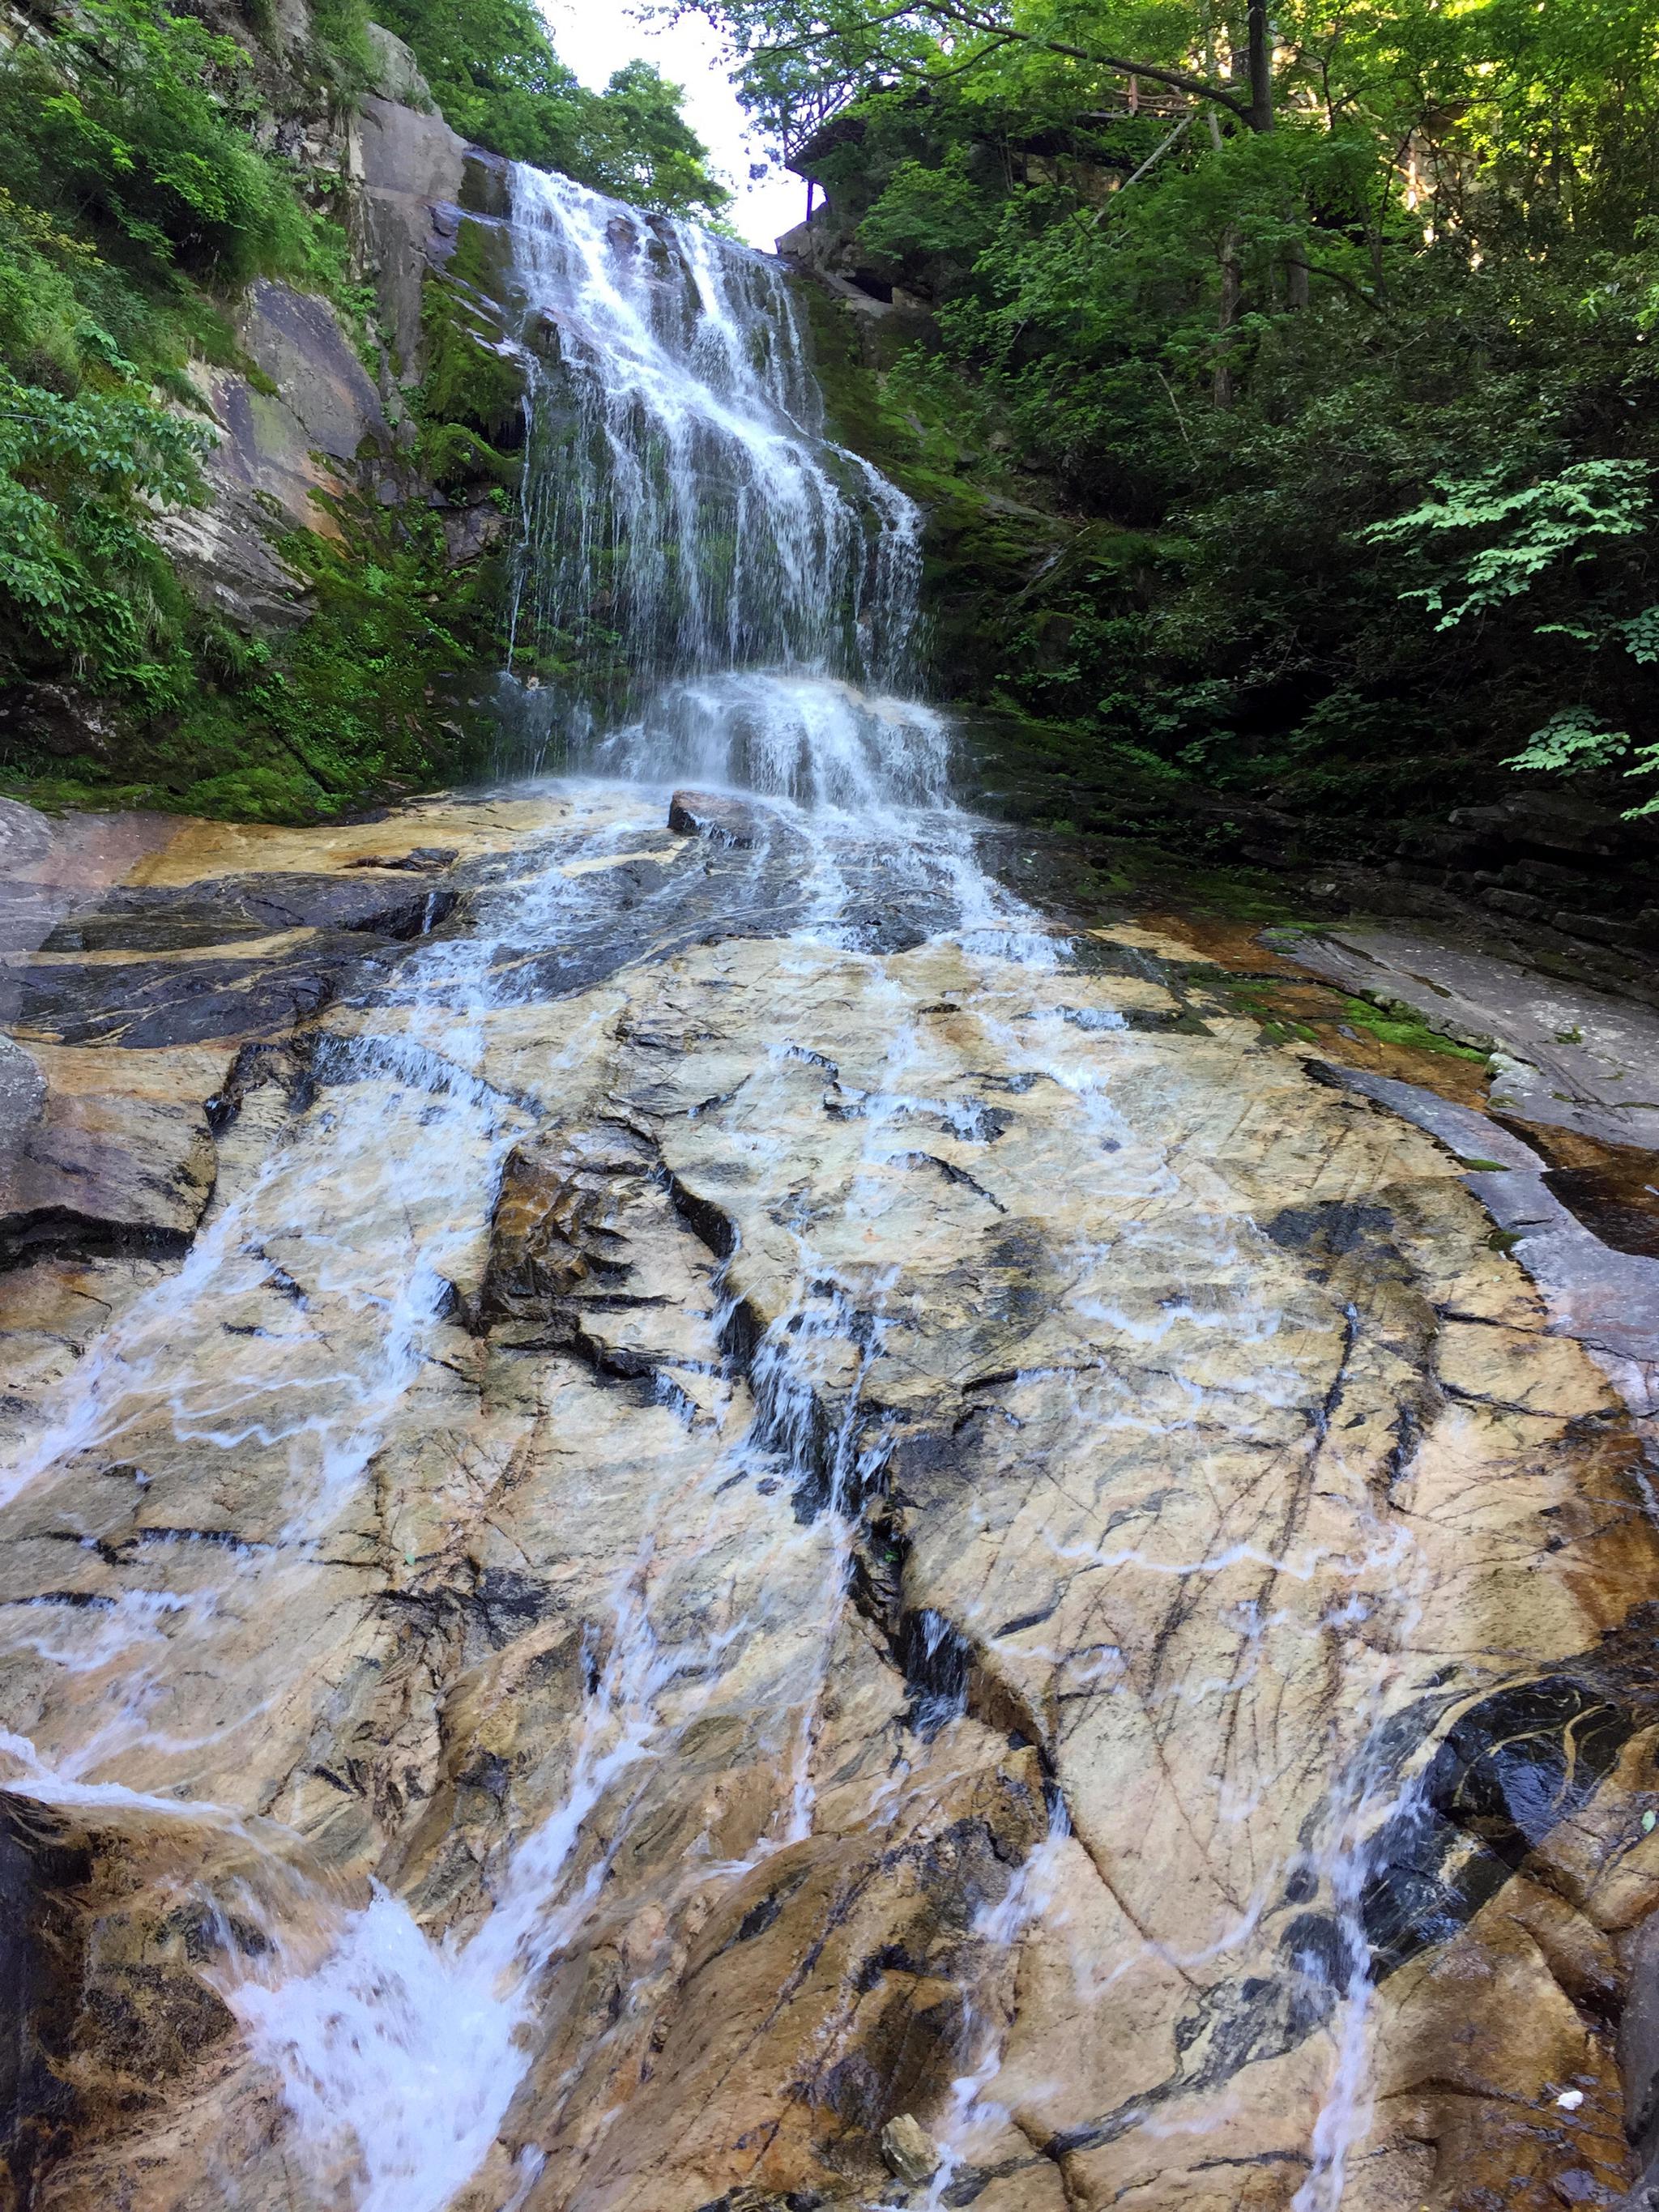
(829, 32)
(971, 20)
(1152, 160)
(1335, 277)
(916, 74)
(1178, 79)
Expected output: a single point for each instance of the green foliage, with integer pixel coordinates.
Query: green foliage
(634, 142)
(1400, 1024)
(340, 31)
(1572, 738)
(375, 688)
(80, 580)
(132, 196)
(132, 119)
(1528, 531)
(495, 74)
(939, 211)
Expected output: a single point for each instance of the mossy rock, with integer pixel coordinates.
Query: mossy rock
(258, 794)
(470, 380)
(456, 458)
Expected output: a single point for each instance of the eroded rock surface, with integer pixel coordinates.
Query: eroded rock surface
(723, 1525)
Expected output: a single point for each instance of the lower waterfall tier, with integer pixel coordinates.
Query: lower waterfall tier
(699, 1519)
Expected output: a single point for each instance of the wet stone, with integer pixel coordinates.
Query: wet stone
(144, 1005)
(721, 820)
(164, 919)
(909, 2150)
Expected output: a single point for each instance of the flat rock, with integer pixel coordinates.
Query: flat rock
(846, 1513)
(1572, 1057)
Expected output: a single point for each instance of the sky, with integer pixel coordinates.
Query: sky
(594, 37)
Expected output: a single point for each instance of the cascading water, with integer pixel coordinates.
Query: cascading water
(684, 515)
(745, 1068)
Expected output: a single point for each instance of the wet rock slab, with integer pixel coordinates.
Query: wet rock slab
(720, 818)
(1569, 1056)
(1051, 1546)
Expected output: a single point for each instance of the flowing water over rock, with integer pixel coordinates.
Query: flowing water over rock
(698, 1518)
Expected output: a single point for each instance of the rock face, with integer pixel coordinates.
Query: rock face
(1574, 1058)
(908, 2150)
(302, 429)
(665, 1553)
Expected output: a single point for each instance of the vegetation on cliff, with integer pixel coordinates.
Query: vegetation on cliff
(153, 164)
(133, 200)
(1336, 330)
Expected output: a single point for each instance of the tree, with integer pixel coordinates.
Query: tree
(799, 65)
(495, 74)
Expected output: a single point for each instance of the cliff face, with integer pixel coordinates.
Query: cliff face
(305, 429)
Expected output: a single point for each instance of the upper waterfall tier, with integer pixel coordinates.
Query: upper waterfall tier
(683, 511)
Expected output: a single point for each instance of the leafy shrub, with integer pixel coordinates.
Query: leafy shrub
(1530, 531)
(131, 117)
(81, 580)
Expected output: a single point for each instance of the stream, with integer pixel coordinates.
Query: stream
(769, 1495)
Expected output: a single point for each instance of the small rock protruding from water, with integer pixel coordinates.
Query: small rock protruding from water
(910, 2151)
(422, 861)
(707, 814)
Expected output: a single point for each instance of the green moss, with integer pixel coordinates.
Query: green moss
(62, 793)
(468, 379)
(384, 689)
(1397, 1026)
(256, 794)
(455, 457)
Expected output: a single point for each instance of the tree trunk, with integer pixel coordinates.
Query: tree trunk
(1232, 289)
(1260, 43)
(1296, 276)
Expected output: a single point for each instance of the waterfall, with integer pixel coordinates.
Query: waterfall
(684, 514)
(870, 1160)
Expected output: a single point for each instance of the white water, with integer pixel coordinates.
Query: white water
(684, 515)
(680, 499)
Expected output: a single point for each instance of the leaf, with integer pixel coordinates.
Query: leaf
(1572, 739)
(1570, 517)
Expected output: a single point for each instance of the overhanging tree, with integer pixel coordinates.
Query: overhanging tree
(798, 64)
